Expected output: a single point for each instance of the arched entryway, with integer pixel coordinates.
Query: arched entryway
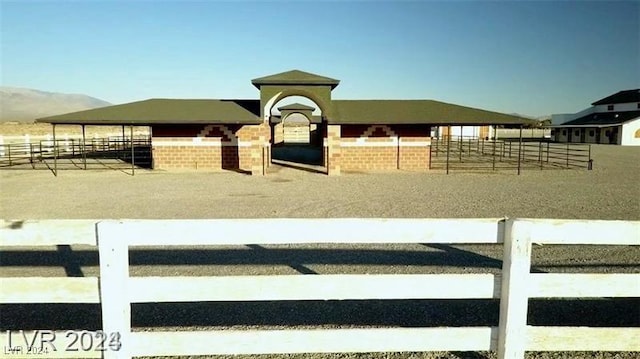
(297, 133)
(315, 91)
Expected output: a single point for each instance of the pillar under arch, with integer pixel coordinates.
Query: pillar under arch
(333, 150)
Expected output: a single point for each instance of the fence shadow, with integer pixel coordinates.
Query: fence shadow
(443, 256)
(602, 312)
(605, 312)
(257, 255)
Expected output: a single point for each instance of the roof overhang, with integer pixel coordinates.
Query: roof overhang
(594, 125)
(414, 112)
(295, 78)
(165, 111)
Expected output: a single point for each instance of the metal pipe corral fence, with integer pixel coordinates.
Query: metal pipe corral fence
(531, 154)
(96, 153)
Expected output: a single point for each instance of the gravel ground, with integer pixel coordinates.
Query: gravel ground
(610, 191)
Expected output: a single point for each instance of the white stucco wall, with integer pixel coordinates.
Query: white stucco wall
(590, 134)
(629, 106)
(629, 129)
(561, 134)
(576, 135)
(465, 131)
(605, 139)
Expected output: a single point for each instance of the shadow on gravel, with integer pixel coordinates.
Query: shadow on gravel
(71, 260)
(297, 258)
(396, 313)
(620, 312)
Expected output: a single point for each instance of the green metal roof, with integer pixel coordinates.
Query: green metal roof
(296, 106)
(156, 111)
(416, 112)
(174, 111)
(295, 77)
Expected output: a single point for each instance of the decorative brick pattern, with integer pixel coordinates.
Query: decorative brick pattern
(219, 131)
(246, 148)
(371, 131)
(213, 147)
(383, 148)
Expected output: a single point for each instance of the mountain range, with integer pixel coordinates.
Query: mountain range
(25, 105)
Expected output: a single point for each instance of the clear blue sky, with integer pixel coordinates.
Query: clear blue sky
(533, 58)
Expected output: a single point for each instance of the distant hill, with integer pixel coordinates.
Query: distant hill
(26, 105)
(544, 120)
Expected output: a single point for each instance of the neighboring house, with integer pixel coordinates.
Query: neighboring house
(613, 120)
(245, 134)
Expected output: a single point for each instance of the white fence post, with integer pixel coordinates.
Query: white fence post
(114, 295)
(512, 330)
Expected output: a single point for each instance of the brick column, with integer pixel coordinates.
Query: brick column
(256, 158)
(259, 156)
(333, 148)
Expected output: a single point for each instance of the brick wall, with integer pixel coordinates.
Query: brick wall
(278, 133)
(180, 156)
(369, 158)
(385, 147)
(414, 154)
(214, 147)
(245, 147)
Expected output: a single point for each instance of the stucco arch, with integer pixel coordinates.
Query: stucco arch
(323, 105)
(637, 134)
(296, 113)
(268, 106)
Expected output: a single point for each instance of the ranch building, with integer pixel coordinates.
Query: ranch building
(249, 135)
(612, 120)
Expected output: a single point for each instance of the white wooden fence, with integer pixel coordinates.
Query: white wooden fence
(116, 290)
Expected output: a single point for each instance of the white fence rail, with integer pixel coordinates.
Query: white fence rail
(526, 133)
(116, 290)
